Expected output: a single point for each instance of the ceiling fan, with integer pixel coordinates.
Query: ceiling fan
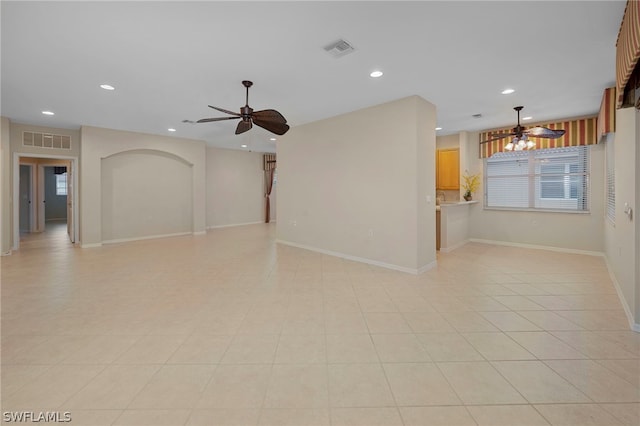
(521, 135)
(268, 119)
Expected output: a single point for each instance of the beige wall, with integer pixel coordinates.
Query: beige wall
(356, 185)
(5, 187)
(621, 241)
(145, 193)
(99, 144)
(16, 141)
(576, 231)
(235, 187)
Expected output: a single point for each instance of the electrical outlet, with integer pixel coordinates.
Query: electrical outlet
(370, 233)
(428, 198)
(294, 223)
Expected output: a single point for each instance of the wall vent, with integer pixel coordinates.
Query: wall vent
(46, 140)
(339, 48)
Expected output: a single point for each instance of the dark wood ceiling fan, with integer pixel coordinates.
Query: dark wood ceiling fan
(520, 133)
(268, 119)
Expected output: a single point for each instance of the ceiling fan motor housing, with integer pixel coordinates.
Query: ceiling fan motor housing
(246, 112)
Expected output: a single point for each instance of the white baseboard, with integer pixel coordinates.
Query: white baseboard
(537, 247)
(233, 224)
(627, 310)
(361, 259)
(199, 233)
(453, 247)
(7, 253)
(150, 237)
(92, 245)
(427, 267)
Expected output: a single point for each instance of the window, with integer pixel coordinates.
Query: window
(61, 184)
(544, 179)
(611, 181)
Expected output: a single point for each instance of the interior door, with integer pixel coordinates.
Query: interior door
(25, 198)
(70, 217)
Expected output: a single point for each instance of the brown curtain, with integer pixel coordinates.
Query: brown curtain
(269, 167)
(268, 178)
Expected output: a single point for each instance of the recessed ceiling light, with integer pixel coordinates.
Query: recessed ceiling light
(272, 139)
(527, 118)
(243, 146)
(507, 91)
(438, 128)
(48, 112)
(107, 87)
(171, 129)
(376, 74)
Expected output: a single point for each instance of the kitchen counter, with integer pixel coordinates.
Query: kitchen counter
(455, 204)
(454, 224)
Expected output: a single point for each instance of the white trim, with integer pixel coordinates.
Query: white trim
(197, 233)
(427, 267)
(627, 310)
(537, 247)
(150, 237)
(361, 259)
(453, 247)
(92, 245)
(233, 224)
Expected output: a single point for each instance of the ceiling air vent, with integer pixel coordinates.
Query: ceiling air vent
(339, 48)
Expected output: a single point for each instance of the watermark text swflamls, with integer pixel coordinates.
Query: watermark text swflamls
(36, 416)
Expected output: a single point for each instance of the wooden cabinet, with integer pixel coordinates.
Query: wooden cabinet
(448, 169)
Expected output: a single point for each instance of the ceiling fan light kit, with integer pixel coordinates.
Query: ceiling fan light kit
(268, 119)
(521, 135)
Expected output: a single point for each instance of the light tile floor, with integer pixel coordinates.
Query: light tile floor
(233, 329)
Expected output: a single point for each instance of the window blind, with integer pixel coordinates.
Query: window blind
(544, 179)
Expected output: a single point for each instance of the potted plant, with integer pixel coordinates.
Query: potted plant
(470, 184)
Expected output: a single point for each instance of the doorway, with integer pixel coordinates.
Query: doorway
(45, 190)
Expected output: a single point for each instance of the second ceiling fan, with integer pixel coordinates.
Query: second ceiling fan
(521, 135)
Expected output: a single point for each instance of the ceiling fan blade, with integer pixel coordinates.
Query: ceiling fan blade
(243, 126)
(208, 120)
(225, 111)
(543, 132)
(496, 136)
(272, 126)
(269, 115)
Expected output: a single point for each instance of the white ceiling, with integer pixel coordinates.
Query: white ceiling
(169, 60)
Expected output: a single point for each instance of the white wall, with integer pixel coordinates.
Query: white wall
(235, 187)
(356, 185)
(99, 144)
(576, 231)
(621, 247)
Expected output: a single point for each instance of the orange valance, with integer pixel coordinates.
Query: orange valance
(607, 115)
(577, 133)
(627, 48)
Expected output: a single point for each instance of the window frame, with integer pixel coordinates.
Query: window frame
(59, 187)
(534, 182)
